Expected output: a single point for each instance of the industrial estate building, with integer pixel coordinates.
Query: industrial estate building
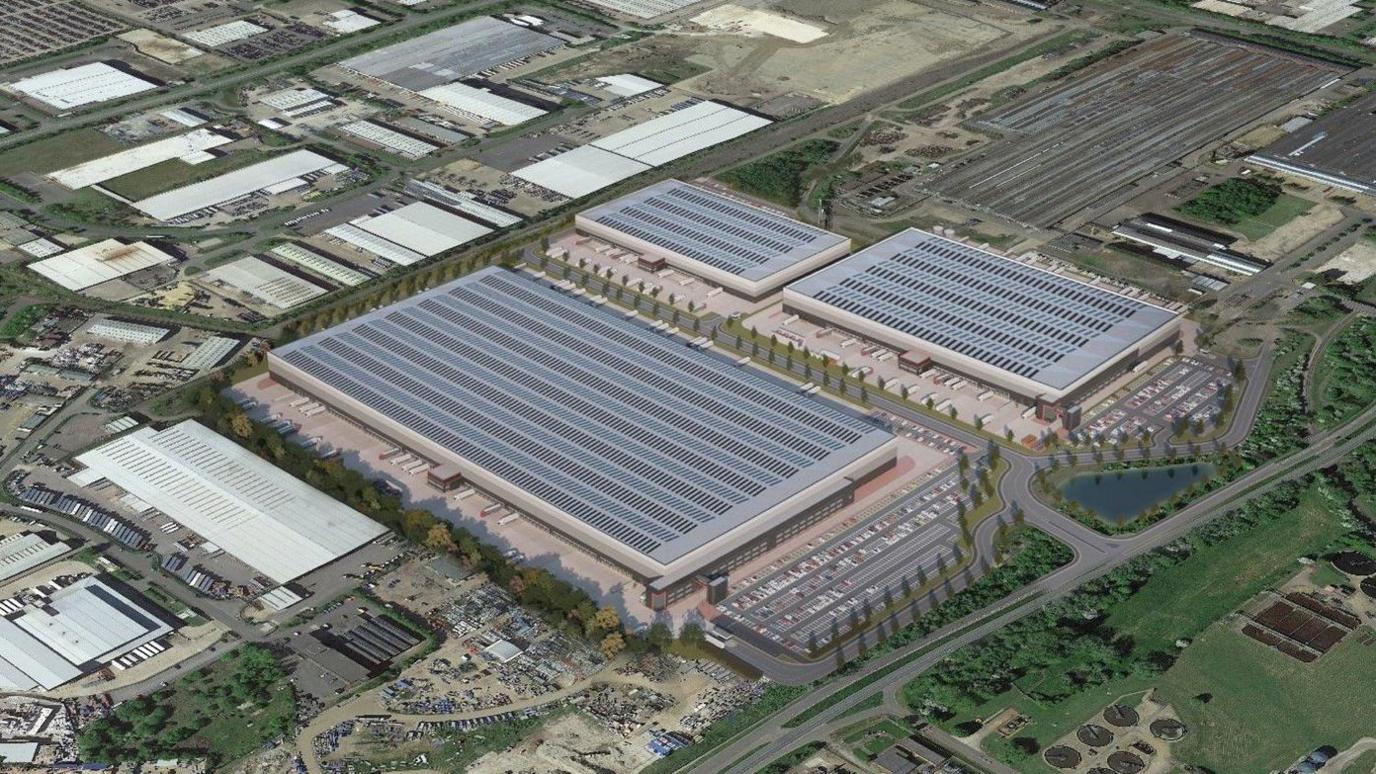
(1335, 150)
(266, 282)
(74, 631)
(409, 234)
(1040, 337)
(76, 87)
(100, 262)
(452, 53)
(191, 147)
(1188, 244)
(666, 461)
(277, 525)
(276, 175)
(629, 152)
(744, 248)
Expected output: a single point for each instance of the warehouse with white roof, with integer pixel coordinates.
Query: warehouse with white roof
(75, 631)
(483, 104)
(269, 175)
(1040, 337)
(96, 171)
(742, 247)
(274, 523)
(100, 262)
(266, 282)
(650, 144)
(88, 84)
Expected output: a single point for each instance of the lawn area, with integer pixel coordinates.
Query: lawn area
(1251, 206)
(1182, 600)
(223, 711)
(1345, 381)
(57, 152)
(1266, 708)
(175, 173)
(872, 737)
(1286, 209)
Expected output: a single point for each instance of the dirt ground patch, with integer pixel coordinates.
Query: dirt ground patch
(1357, 263)
(1286, 239)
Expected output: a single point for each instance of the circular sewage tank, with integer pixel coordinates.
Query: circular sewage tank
(1100, 770)
(1121, 716)
(1355, 563)
(1168, 729)
(1369, 587)
(1094, 735)
(1062, 757)
(1125, 762)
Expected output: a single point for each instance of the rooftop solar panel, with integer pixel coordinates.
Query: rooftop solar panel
(1015, 317)
(656, 445)
(714, 229)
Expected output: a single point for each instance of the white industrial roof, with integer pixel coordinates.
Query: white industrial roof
(288, 99)
(41, 248)
(325, 267)
(264, 281)
(100, 262)
(77, 628)
(677, 134)
(580, 171)
(387, 137)
(349, 20)
(210, 352)
(24, 551)
(220, 34)
(126, 331)
(628, 84)
(422, 227)
(371, 243)
(85, 85)
(131, 160)
(233, 185)
(482, 103)
(276, 524)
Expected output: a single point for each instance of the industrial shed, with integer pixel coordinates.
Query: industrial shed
(423, 228)
(75, 631)
(76, 87)
(100, 262)
(1040, 337)
(747, 249)
(279, 526)
(115, 165)
(448, 54)
(266, 282)
(665, 460)
(263, 176)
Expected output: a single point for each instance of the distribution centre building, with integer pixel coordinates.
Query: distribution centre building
(276, 524)
(746, 249)
(671, 463)
(1042, 338)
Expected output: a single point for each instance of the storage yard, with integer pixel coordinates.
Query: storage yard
(1049, 167)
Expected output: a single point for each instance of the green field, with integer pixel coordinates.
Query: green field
(782, 176)
(868, 739)
(57, 152)
(175, 173)
(1266, 709)
(1182, 600)
(1286, 209)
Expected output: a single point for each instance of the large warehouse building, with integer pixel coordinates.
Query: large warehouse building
(281, 527)
(74, 631)
(748, 250)
(450, 54)
(1040, 337)
(668, 462)
(1335, 150)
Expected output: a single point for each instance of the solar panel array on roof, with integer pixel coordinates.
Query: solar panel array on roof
(1009, 315)
(716, 230)
(656, 445)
